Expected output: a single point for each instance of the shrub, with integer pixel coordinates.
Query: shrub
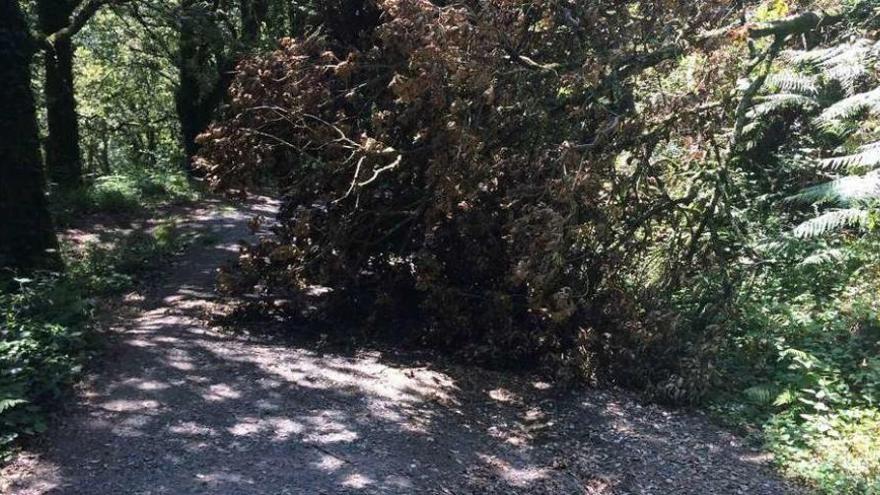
(128, 190)
(43, 344)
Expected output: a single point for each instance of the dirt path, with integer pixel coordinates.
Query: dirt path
(179, 408)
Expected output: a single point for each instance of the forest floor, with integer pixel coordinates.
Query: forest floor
(178, 407)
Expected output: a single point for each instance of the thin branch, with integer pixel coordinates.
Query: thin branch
(77, 21)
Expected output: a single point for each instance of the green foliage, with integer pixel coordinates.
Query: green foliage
(125, 83)
(43, 344)
(45, 332)
(108, 268)
(130, 190)
(805, 367)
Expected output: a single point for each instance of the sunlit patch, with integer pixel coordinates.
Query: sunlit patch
(223, 478)
(151, 385)
(357, 481)
(191, 428)
(518, 477)
(329, 463)
(122, 405)
(599, 486)
(181, 365)
(327, 427)
(504, 395)
(284, 428)
(221, 392)
(246, 427)
(140, 343)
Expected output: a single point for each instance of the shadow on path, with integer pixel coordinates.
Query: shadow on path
(179, 408)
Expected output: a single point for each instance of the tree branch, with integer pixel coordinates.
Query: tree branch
(794, 25)
(78, 20)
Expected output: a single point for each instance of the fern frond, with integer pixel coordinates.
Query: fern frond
(790, 81)
(848, 76)
(868, 156)
(850, 107)
(843, 191)
(831, 221)
(861, 52)
(825, 257)
(785, 398)
(775, 103)
(761, 394)
(847, 64)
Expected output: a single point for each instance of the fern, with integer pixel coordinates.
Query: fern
(789, 81)
(775, 103)
(867, 156)
(844, 191)
(803, 83)
(852, 107)
(831, 221)
(761, 394)
(847, 63)
(825, 257)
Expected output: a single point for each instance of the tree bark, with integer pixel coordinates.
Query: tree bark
(193, 108)
(794, 25)
(197, 102)
(27, 239)
(63, 161)
(253, 12)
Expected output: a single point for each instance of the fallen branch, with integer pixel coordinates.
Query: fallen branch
(794, 25)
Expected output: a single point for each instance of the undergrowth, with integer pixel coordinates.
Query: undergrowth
(127, 190)
(47, 331)
(807, 368)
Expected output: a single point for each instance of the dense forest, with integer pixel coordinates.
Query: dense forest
(676, 198)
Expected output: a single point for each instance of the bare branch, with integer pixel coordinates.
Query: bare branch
(794, 25)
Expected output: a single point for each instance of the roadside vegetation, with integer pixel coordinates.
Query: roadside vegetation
(48, 330)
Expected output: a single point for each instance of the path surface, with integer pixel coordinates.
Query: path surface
(180, 408)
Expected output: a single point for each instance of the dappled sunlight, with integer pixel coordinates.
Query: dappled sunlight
(188, 409)
(120, 405)
(329, 463)
(519, 477)
(357, 481)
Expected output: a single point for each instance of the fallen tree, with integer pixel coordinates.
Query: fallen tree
(479, 175)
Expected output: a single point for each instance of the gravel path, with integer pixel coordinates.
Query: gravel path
(180, 408)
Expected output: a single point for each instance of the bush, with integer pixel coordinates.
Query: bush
(802, 363)
(43, 344)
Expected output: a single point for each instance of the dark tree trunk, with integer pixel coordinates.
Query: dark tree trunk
(253, 12)
(195, 106)
(63, 161)
(199, 61)
(27, 239)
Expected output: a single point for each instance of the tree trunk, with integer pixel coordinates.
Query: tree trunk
(193, 62)
(27, 239)
(197, 102)
(253, 12)
(63, 161)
